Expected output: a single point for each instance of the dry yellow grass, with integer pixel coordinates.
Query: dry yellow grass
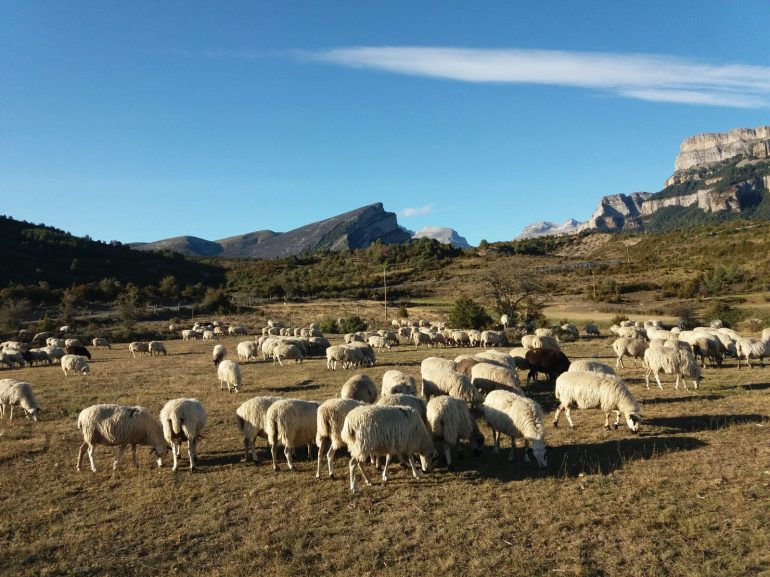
(690, 495)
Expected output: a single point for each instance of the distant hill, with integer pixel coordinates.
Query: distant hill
(442, 234)
(33, 253)
(545, 228)
(348, 231)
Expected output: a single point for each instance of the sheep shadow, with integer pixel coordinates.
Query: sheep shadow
(755, 386)
(303, 386)
(680, 399)
(695, 423)
(590, 458)
(210, 462)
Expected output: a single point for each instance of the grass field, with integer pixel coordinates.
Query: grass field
(689, 495)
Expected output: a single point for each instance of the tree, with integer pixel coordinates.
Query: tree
(467, 313)
(168, 287)
(514, 292)
(67, 305)
(12, 313)
(127, 306)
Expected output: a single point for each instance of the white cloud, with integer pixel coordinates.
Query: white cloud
(419, 211)
(649, 77)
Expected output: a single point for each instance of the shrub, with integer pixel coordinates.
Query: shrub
(618, 318)
(353, 324)
(467, 313)
(328, 325)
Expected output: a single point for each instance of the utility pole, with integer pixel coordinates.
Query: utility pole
(385, 284)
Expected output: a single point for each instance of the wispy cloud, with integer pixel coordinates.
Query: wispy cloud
(419, 211)
(657, 78)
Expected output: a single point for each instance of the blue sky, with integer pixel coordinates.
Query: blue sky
(144, 120)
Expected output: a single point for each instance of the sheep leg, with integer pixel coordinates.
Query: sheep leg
(415, 470)
(495, 442)
(329, 460)
(511, 455)
(695, 384)
(321, 448)
(91, 457)
(121, 449)
(569, 418)
(274, 453)
(657, 378)
(174, 455)
(385, 468)
(11, 419)
(192, 451)
(352, 467)
(556, 416)
(80, 455)
(448, 456)
(647, 376)
(249, 447)
(607, 420)
(287, 452)
(617, 419)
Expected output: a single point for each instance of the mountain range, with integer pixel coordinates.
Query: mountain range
(716, 176)
(348, 231)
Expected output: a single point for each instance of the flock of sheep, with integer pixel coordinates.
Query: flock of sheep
(393, 422)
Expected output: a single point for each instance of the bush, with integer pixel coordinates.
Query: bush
(328, 325)
(618, 318)
(353, 324)
(467, 313)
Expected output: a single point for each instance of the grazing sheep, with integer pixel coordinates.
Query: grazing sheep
(492, 339)
(40, 338)
(291, 423)
(707, 347)
(369, 357)
(237, 330)
(138, 347)
(437, 363)
(765, 334)
(516, 416)
(54, 342)
(461, 338)
(229, 373)
(352, 337)
(379, 343)
(585, 365)
(359, 387)
(629, 346)
(592, 330)
(118, 425)
(77, 350)
(376, 431)
(54, 352)
(287, 351)
(101, 343)
(209, 335)
(437, 382)
(748, 347)
(219, 353)
(465, 365)
(38, 356)
(183, 420)
(548, 361)
(331, 418)
(74, 363)
(189, 334)
(394, 382)
(251, 422)
(540, 342)
(672, 361)
(544, 332)
(404, 400)
(17, 393)
(487, 377)
(587, 390)
(498, 358)
(156, 348)
(449, 420)
(72, 343)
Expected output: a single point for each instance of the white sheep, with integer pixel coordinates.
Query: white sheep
(379, 342)
(421, 338)
(449, 421)
(72, 343)
(330, 419)
(748, 347)
(405, 400)
(487, 377)
(118, 425)
(219, 353)
(594, 390)
(229, 373)
(156, 348)
(183, 420)
(492, 339)
(291, 423)
(138, 347)
(101, 343)
(374, 431)
(498, 358)
(544, 332)
(672, 361)
(251, 422)
(586, 365)
(287, 351)
(209, 335)
(18, 393)
(74, 363)
(189, 334)
(516, 416)
(54, 352)
(394, 381)
(540, 342)
(437, 363)
(627, 346)
(437, 382)
(359, 387)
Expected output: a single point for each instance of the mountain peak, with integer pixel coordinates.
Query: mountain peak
(442, 234)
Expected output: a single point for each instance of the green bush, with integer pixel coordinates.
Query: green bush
(468, 314)
(353, 324)
(328, 325)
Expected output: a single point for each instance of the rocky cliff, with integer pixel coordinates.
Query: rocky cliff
(442, 234)
(546, 228)
(703, 149)
(355, 229)
(715, 173)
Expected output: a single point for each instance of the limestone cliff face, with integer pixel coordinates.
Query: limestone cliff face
(618, 211)
(706, 148)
